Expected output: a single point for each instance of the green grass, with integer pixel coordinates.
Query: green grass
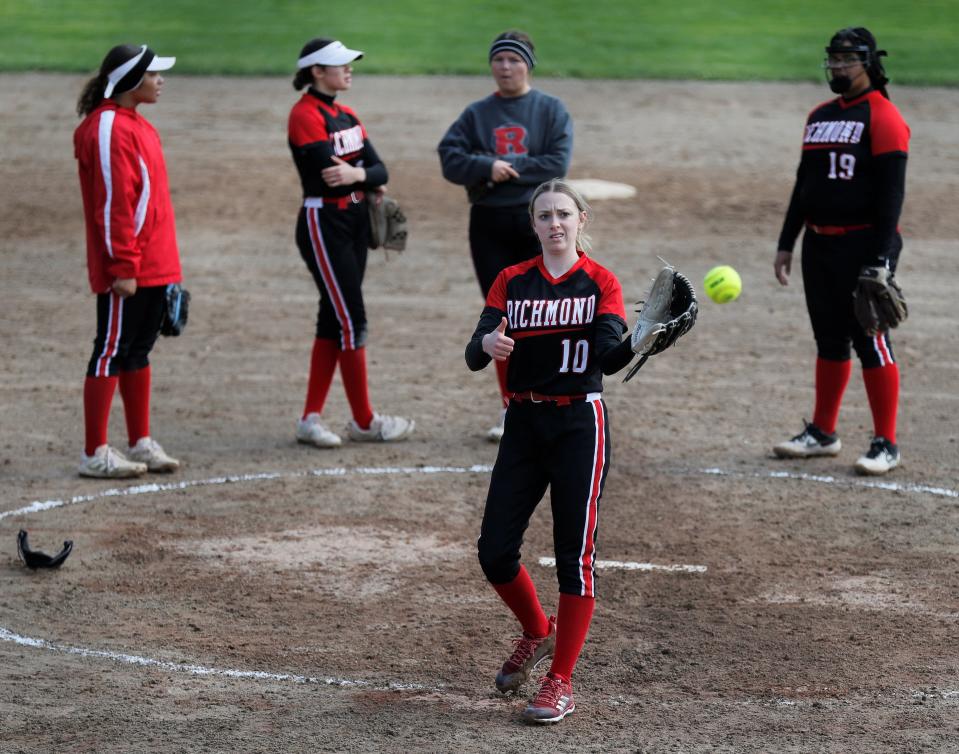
(682, 39)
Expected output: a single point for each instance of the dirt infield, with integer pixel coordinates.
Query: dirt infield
(288, 599)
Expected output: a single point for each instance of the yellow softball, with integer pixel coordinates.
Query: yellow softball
(723, 284)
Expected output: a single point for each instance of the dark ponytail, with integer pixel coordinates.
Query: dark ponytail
(877, 74)
(304, 76)
(92, 94)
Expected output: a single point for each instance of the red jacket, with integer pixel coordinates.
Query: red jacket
(131, 231)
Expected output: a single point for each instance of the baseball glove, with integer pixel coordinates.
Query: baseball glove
(668, 313)
(387, 223)
(878, 300)
(34, 559)
(176, 309)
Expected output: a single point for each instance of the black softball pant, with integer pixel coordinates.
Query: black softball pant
(127, 330)
(564, 448)
(334, 243)
(830, 270)
(500, 237)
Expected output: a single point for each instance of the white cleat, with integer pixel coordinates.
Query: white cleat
(109, 463)
(812, 441)
(312, 431)
(882, 457)
(383, 428)
(148, 451)
(495, 433)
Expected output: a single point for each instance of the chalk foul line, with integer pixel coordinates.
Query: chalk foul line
(946, 695)
(203, 670)
(824, 479)
(628, 566)
(143, 489)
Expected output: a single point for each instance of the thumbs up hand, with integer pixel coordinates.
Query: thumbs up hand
(497, 344)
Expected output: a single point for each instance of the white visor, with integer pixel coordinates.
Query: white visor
(161, 64)
(335, 53)
(128, 76)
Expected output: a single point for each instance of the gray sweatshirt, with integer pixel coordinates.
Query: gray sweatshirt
(534, 133)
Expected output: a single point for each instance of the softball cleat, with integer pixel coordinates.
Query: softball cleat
(811, 442)
(883, 456)
(495, 433)
(528, 652)
(311, 431)
(383, 428)
(149, 452)
(110, 463)
(553, 702)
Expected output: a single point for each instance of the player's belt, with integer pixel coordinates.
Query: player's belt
(559, 400)
(835, 230)
(340, 202)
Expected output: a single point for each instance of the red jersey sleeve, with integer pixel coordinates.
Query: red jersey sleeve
(497, 294)
(611, 301)
(306, 124)
(887, 128)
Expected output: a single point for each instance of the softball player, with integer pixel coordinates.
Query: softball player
(501, 148)
(559, 320)
(848, 194)
(131, 253)
(337, 165)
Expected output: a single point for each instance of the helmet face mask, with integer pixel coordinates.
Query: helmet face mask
(848, 48)
(845, 50)
(846, 57)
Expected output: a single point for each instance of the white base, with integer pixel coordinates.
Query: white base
(594, 188)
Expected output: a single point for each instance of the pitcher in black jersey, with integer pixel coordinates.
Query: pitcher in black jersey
(849, 192)
(337, 165)
(559, 321)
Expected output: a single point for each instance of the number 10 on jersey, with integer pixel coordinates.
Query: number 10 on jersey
(579, 353)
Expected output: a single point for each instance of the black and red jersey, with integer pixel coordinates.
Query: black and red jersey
(319, 128)
(852, 170)
(564, 328)
(840, 143)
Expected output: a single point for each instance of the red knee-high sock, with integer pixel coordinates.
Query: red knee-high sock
(501, 378)
(572, 625)
(882, 388)
(353, 369)
(323, 360)
(832, 377)
(520, 597)
(135, 391)
(97, 397)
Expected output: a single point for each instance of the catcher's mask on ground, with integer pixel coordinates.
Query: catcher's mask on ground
(34, 559)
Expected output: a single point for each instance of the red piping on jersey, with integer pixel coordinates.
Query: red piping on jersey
(811, 147)
(532, 333)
